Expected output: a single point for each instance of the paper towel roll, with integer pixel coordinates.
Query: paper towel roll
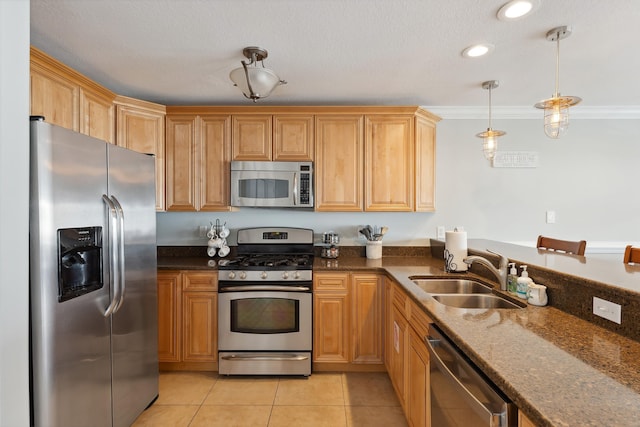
(455, 251)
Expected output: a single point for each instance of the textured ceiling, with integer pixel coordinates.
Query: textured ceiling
(337, 52)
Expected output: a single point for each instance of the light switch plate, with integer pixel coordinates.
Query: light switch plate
(440, 232)
(607, 309)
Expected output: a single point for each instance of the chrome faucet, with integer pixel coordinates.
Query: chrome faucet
(500, 272)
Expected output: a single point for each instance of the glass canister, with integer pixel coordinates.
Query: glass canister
(330, 242)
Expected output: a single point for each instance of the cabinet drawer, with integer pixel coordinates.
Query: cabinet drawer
(401, 301)
(205, 281)
(419, 320)
(331, 282)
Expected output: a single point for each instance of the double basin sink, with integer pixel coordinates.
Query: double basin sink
(462, 293)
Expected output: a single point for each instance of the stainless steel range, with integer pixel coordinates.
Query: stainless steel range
(265, 303)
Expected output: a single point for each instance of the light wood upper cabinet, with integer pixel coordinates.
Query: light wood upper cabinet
(260, 137)
(425, 157)
(252, 137)
(389, 159)
(293, 138)
(338, 162)
(68, 99)
(140, 127)
(198, 162)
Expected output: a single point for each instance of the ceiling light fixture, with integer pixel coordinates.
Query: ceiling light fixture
(478, 50)
(556, 108)
(516, 9)
(255, 82)
(490, 136)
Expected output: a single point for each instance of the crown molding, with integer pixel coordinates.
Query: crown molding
(617, 112)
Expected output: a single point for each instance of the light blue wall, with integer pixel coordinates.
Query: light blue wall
(581, 177)
(14, 213)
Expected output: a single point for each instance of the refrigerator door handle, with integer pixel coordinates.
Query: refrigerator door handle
(113, 255)
(120, 249)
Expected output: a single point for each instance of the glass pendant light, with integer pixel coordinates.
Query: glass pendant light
(556, 108)
(255, 82)
(490, 136)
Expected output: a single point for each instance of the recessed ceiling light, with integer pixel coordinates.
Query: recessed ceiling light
(516, 9)
(477, 50)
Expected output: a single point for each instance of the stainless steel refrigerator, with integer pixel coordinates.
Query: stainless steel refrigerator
(93, 296)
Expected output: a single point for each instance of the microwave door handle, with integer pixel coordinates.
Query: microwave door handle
(295, 188)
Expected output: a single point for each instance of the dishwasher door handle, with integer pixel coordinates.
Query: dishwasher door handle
(496, 419)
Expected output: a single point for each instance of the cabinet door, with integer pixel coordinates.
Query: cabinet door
(425, 165)
(54, 97)
(418, 393)
(252, 137)
(293, 138)
(97, 117)
(338, 162)
(200, 326)
(181, 163)
(399, 354)
(366, 318)
(523, 421)
(169, 316)
(331, 318)
(141, 128)
(388, 325)
(214, 163)
(389, 163)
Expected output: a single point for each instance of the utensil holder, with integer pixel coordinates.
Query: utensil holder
(374, 249)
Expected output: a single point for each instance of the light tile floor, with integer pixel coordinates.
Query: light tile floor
(204, 399)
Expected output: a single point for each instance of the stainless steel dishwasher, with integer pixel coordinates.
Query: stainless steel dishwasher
(461, 395)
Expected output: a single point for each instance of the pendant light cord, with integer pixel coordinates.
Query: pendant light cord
(489, 107)
(557, 94)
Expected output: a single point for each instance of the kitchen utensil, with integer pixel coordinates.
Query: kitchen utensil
(365, 232)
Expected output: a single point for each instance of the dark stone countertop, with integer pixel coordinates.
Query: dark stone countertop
(558, 367)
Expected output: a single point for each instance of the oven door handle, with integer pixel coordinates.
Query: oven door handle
(265, 288)
(275, 357)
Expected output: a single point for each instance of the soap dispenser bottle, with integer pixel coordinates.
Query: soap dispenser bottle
(523, 283)
(512, 279)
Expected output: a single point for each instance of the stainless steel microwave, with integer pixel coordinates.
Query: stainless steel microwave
(272, 184)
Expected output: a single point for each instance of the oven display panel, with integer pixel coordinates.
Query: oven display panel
(265, 315)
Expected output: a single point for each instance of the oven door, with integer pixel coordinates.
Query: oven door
(265, 321)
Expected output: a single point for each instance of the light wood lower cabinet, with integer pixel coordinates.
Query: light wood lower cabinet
(331, 318)
(408, 364)
(418, 408)
(348, 320)
(187, 320)
(524, 421)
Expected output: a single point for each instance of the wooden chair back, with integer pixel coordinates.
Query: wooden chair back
(567, 246)
(631, 254)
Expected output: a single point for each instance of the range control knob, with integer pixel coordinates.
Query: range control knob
(285, 275)
(243, 275)
(232, 275)
(263, 275)
(296, 275)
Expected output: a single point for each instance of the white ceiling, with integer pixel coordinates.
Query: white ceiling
(391, 52)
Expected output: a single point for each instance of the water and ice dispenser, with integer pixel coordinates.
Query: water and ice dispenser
(79, 261)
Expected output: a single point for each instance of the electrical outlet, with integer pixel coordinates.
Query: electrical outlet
(202, 230)
(551, 217)
(440, 232)
(607, 309)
